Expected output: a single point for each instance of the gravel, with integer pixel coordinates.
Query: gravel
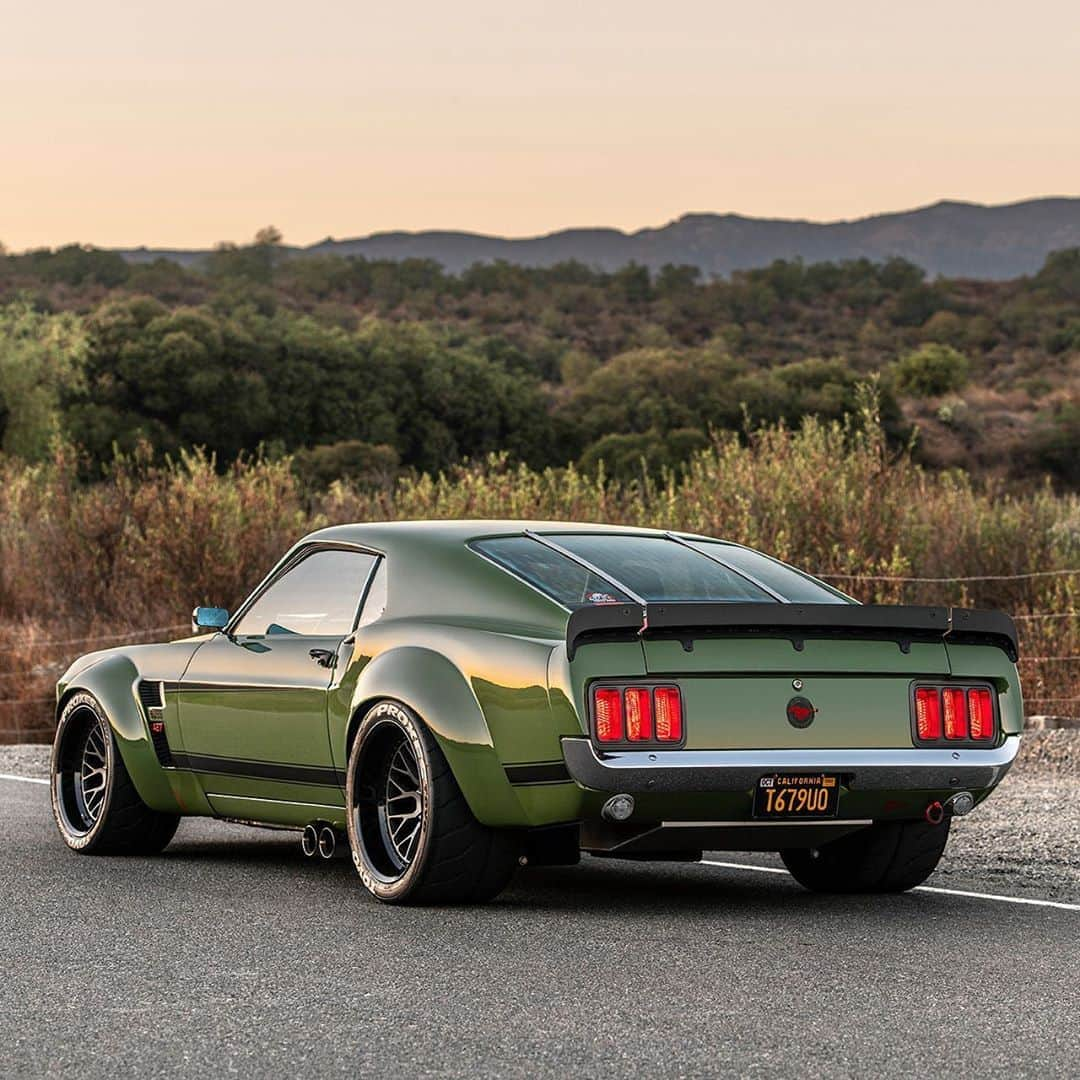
(1024, 840)
(25, 759)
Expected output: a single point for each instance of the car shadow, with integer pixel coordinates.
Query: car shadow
(598, 887)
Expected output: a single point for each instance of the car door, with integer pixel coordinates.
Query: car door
(253, 700)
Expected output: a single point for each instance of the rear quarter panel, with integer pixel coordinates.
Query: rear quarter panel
(482, 691)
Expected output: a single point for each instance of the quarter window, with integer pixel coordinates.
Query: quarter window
(317, 597)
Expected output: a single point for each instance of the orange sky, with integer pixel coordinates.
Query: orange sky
(126, 123)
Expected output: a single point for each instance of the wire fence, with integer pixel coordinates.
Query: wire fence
(1026, 617)
(949, 580)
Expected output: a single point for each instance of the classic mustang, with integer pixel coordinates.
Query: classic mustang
(455, 699)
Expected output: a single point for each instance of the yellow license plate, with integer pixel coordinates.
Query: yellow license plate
(797, 795)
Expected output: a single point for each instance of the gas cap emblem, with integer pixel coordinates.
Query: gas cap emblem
(800, 712)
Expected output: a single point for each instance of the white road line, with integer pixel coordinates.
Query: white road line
(1003, 899)
(919, 888)
(22, 779)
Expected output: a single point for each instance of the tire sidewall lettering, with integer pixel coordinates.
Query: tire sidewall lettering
(410, 726)
(76, 703)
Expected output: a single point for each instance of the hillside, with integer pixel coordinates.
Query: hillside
(956, 239)
(369, 368)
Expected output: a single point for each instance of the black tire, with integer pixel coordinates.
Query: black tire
(95, 804)
(890, 857)
(421, 845)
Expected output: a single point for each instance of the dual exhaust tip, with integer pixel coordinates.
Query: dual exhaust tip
(318, 839)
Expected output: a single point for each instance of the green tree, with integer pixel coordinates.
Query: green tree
(931, 370)
(41, 358)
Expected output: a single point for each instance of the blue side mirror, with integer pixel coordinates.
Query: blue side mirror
(209, 618)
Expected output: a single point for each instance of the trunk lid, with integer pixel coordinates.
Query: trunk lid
(859, 689)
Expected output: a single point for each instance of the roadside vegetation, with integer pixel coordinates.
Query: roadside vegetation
(372, 371)
(86, 564)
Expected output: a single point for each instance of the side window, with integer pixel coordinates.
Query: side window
(375, 601)
(318, 596)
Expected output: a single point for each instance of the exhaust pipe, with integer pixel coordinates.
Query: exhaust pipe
(327, 841)
(935, 813)
(309, 841)
(963, 802)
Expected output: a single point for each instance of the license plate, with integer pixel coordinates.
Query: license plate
(797, 795)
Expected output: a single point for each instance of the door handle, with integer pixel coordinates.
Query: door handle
(323, 657)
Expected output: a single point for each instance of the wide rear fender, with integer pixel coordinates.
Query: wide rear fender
(440, 694)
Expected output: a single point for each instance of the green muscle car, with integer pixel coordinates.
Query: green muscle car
(455, 699)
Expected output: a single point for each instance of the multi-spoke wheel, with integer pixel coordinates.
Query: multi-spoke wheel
(91, 780)
(96, 806)
(412, 835)
(401, 810)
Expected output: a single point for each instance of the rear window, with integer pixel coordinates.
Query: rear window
(653, 567)
(660, 569)
(552, 573)
(790, 583)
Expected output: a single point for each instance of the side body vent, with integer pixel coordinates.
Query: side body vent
(152, 700)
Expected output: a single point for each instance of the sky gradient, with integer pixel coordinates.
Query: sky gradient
(182, 125)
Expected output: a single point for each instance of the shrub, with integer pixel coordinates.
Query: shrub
(931, 370)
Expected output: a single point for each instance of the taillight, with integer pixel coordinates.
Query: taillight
(668, 714)
(637, 714)
(927, 713)
(980, 713)
(954, 712)
(637, 703)
(609, 715)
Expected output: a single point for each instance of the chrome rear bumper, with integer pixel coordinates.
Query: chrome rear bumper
(914, 769)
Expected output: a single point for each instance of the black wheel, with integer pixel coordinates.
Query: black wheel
(96, 806)
(412, 835)
(891, 857)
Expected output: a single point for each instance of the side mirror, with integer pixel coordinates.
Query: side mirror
(209, 618)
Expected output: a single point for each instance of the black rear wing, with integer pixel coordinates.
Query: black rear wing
(885, 622)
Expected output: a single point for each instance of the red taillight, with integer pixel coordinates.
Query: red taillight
(668, 714)
(609, 715)
(954, 709)
(927, 713)
(980, 713)
(637, 714)
(637, 702)
(955, 714)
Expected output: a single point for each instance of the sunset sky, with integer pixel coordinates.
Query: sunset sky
(129, 123)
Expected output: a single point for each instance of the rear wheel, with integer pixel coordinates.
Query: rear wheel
(412, 835)
(95, 804)
(890, 857)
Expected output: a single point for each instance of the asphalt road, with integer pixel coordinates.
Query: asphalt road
(229, 954)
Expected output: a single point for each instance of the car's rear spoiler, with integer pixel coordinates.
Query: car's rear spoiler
(686, 621)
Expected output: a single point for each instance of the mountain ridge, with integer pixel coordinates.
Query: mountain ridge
(951, 237)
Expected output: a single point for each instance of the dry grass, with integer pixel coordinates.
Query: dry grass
(142, 548)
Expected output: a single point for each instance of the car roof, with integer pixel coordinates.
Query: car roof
(461, 531)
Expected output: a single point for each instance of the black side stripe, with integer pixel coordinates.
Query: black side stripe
(261, 770)
(542, 772)
(235, 688)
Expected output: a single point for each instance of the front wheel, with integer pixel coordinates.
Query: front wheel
(94, 802)
(890, 857)
(412, 835)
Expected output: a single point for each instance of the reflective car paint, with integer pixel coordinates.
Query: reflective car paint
(482, 658)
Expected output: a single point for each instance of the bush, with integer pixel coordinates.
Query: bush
(141, 548)
(931, 371)
(360, 463)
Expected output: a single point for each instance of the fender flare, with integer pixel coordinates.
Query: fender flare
(112, 681)
(440, 694)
